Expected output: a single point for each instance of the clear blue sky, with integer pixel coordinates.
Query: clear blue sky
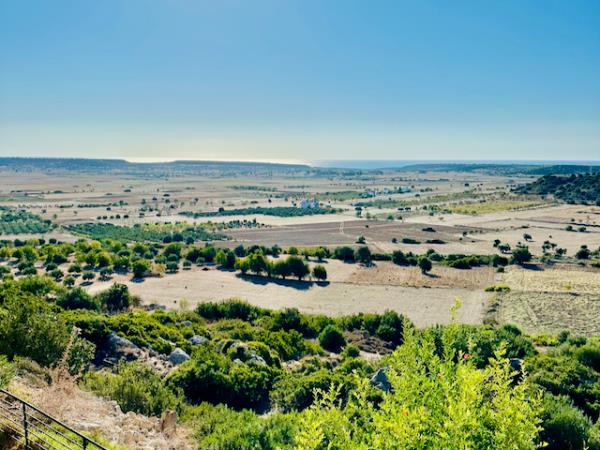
(300, 80)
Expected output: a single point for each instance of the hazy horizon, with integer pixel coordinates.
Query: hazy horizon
(300, 81)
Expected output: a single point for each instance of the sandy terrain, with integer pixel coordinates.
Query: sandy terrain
(569, 279)
(552, 299)
(423, 306)
(551, 312)
(378, 234)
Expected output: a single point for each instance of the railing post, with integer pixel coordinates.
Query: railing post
(25, 426)
(85, 443)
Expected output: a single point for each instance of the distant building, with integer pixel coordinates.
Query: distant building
(309, 203)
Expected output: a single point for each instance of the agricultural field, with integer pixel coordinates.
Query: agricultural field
(548, 300)
(233, 295)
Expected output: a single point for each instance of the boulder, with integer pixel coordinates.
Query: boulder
(117, 348)
(245, 353)
(115, 342)
(198, 340)
(178, 356)
(381, 381)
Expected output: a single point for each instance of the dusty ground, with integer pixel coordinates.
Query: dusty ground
(100, 418)
(424, 306)
(552, 299)
(564, 279)
(542, 224)
(551, 312)
(440, 276)
(378, 234)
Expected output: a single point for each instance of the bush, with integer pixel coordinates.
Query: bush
(425, 264)
(135, 387)
(520, 255)
(345, 254)
(296, 391)
(332, 339)
(390, 327)
(140, 268)
(78, 298)
(363, 255)
(116, 298)
(297, 267)
(399, 258)
(29, 327)
(88, 275)
(214, 378)
(563, 425)
(487, 410)
(218, 427)
(229, 309)
(497, 288)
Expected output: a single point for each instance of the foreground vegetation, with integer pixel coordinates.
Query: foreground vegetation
(443, 387)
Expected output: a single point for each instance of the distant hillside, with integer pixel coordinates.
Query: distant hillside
(158, 169)
(564, 169)
(503, 168)
(571, 189)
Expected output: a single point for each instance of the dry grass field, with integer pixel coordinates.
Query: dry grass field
(424, 306)
(549, 313)
(552, 299)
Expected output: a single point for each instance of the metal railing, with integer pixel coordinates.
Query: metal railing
(35, 429)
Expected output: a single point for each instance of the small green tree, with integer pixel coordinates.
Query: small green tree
(297, 267)
(319, 272)
(363, 255)
(425, 264)
(257, 262)
(140, 267)
(116, 298)
(583, 252)
(78, 298)
(281, 269)
(88, 275)
(242, 265)
(520, 255)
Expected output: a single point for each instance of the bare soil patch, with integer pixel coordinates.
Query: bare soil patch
(440, 276)
(423, 306)
(551, 312)
(566, 279)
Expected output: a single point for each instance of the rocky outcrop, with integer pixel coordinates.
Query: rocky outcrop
(178, 356)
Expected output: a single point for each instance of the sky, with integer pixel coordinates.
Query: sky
(286, 80)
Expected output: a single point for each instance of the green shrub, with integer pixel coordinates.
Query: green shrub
(497, 288)
(115, 298)
(564, 427)
(319, 272)
(78, 298)
(30, 327)
(135, 387)
(214, 378)
(296, 391)
(229, 309)
(332, 339)
(476, 408)
(218, 427)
